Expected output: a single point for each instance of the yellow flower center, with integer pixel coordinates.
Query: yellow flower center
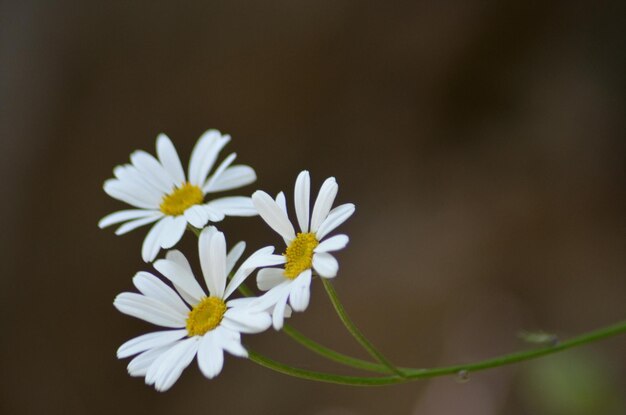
(205, 316)
(299, 254)
(177, 202)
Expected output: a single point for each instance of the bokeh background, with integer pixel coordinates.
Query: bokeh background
(482, 142)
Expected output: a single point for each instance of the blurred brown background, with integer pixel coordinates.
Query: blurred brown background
(482, 142)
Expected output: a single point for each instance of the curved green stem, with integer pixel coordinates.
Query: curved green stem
(323, 350)
(245, 290)
(354, 331)
(414, 374)
(195, 230)
(312, 345)
(332, 354)
(403, 374)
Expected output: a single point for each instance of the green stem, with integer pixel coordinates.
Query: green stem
(333, 355)
(245, 290)
(195, 230)
(405, 374)
(323, 350)
(414, 374)
(354, 331)
(310, 344)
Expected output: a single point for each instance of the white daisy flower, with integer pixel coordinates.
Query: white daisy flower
(162, 194)
(202, 325)
(306, 250)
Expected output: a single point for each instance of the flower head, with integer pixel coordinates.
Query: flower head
(200, 325)
(306, 250)
(161, 193)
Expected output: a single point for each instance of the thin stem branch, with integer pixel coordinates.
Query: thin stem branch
(354, 331)
(404, 374)
(332, 354)
(323, 350)
(312, 345)
(415, 374)
(195, 230)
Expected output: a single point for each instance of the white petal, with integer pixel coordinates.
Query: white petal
(173, 230)
(169, 158)
(240, 302)
(336, 217)
(263, 260)
(232, 178)
(210, 355)
(260, 258)
(129, 174)
(149, 309)
(197, 216)
(230, 341)
(204, 154)
(214, 214)
(301, 196)
(179, 259)
(168, 367)
(233, 256)
(239, 277)
(325, 264)
(152, 171)
(151, 286)
(282, 202)
(140, 364)
(134, 224)
(233, 206)
(131, 194)
(300, 291)
(218, 172)
(150, 247)
(176, 256)
(246, 320)
(181, 277)
(278, 314)
(268, 278)
(287, 311)
(273, 215)
(324, 202)
(271, 297)
(212, 248)
(149, 341)
(334, 243)
(123, 216)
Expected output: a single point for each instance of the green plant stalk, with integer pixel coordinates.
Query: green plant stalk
(323, 350)
(312, 345)
(415, 374)
(332, 354)
(195, 230)
(354, 331)
(408, 374)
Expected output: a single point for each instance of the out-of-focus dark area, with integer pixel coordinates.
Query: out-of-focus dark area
(482, 142)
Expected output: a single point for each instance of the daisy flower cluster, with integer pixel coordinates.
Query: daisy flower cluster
(198, 317)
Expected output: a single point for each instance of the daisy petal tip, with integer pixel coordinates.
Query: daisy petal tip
(147, 258)
(259, 194)
(162, 137)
